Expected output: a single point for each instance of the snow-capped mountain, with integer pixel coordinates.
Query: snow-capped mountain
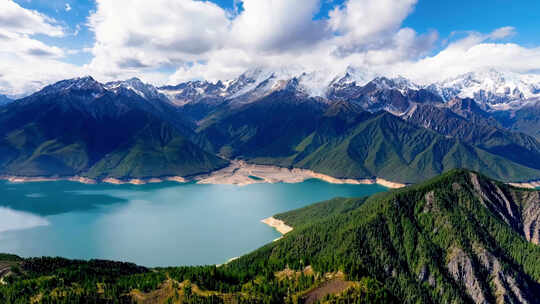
(252, 84)
(88, 88)
(193, 91)
(142, 89)
(490, 88)
(81, 85)
(259, 82)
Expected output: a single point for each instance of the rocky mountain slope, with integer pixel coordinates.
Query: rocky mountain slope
(459, 238)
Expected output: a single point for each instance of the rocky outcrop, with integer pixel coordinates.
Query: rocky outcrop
(460, 267)
(519, 209)
(507, 288)
(531, 216)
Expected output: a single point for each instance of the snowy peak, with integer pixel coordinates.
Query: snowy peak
(259, 82)
(490, 87)
(81, 85)
(352, 76)
(135, 85)
(88, 88)
(193, 91)
(399, 83)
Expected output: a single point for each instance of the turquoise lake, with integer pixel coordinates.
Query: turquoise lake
(165, 224)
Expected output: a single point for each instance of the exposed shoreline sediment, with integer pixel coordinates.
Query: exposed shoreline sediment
(242, 173)
(238, 173)
(279, 225)
(527, 185)
(85, 180)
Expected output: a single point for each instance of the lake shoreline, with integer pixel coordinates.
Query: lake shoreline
(279, 225)
(527, 185)
(238, 173)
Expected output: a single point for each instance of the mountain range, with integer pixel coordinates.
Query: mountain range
(82, 127)
(346, 126)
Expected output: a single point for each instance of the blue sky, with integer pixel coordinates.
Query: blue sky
(478, 15)
(164, 41)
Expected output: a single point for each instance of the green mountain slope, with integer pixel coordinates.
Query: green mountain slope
(156, 150)
(477, 128)
(346, 142)
(79, 128)
(458, 238)
(270, 127)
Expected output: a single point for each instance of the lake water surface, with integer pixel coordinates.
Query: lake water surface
(164, 224)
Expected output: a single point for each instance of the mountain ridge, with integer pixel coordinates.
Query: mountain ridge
(75, 127)
(247, 118)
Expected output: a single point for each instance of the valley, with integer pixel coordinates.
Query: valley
(269, 152)
(460, 237)
(191, 175)
(359, 130)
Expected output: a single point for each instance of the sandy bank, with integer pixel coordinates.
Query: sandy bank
(21, 179)
(528, 185)
(84, 180)
(241, 173)
(238, 173)
(279, 225)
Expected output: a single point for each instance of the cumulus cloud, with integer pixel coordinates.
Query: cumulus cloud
(277, 25)
(16, 19)
(472, 53)
(283, 33)
(26, 62)
(133, 34)
(368, 23)
(25, 46)
(200, 40)
(22, 75)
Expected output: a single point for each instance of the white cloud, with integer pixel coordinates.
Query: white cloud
(21, 75)
(502, 33)
(26, 46)
(283, 33)
(26, 63)
(199, 39)
(368, 23)
(137, 34)
(67, 7)
(472, 53)
(16, 19)
(277, 25)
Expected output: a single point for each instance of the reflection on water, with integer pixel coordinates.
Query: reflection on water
(153, 225)
(17, 220)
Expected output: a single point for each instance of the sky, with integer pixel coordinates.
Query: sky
(169, 41)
